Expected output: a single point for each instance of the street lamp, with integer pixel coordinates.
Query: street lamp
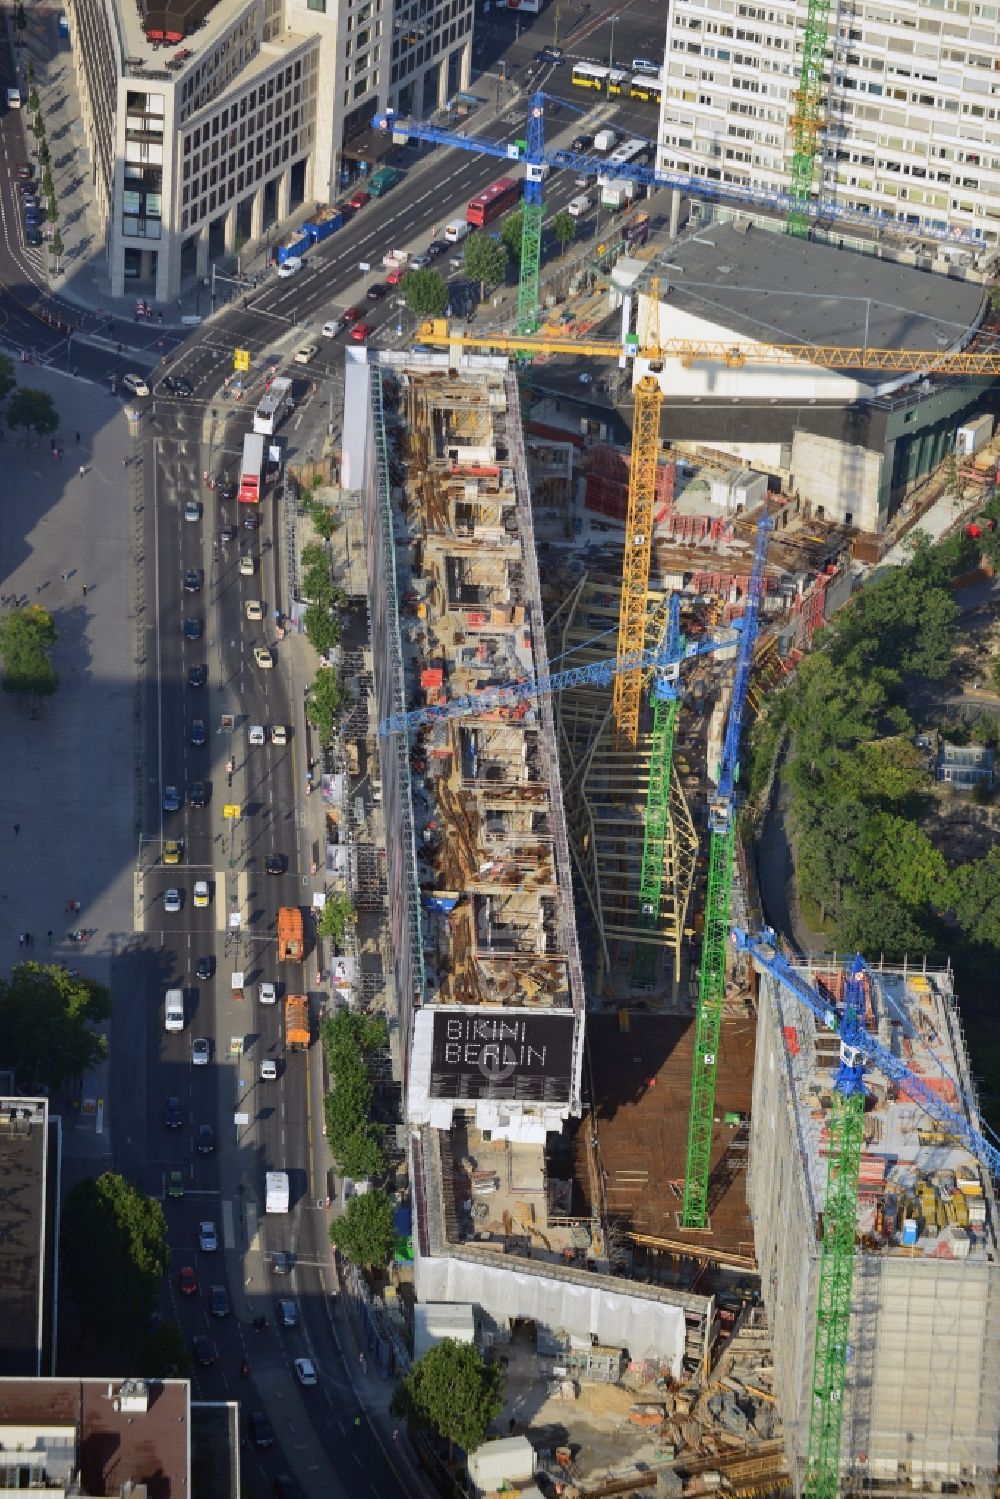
(611, 49)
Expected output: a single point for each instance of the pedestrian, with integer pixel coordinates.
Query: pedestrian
(125, 462)
(83, 470)
(27, 939)
(65, 576)
(17, 828)
(160, 315)
(20, 939)
(85, 590)
(49, 935)
(52, 443)
(78, 437)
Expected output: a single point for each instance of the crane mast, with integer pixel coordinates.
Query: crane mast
(718, 900)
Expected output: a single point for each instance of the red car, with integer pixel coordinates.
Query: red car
(362, 332)
(359, 200)
(350, 316)
(396, 276)
(189, 1281)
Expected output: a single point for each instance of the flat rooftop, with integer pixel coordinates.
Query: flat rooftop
(23, 1154)
(784, 290)
(922, 1190)
(496, 913)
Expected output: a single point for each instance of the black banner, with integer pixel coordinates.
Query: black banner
(509, 1054)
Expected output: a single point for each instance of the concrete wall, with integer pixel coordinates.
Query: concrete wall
(845, 479)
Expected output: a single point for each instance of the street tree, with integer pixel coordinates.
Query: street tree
(336, 917)
(44, 154)
(26, 637)
(564, 229)
(52, 211)
(48, 186)
(511, 232)
(322, 630)
(349, 1033)
(38, 131)
(325, 700)
(114, 1254)
(32, 409)
(56, 248)
(425, 293)
(47, 1019)
(454, 1392)
(7, 380)
(366, 1234)
(34, 103)
(324, 519)
(485, 261)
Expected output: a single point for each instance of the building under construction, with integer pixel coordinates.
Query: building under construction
(922, 1392)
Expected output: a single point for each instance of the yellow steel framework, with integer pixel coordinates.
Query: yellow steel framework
(735, 355)
(638, 553)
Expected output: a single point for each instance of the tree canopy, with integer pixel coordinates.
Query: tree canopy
(326, 697)
(349, 1038)
(26, 637)
(7, 381)
(365, 1233)
(32, 409)
(564, 228)
(114, 1253)
(47, 1019)
(425, 293)
(453, 1391)
(512, 233)
(335, 917)
(485, 261)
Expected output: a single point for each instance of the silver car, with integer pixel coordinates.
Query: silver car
(200, 1051)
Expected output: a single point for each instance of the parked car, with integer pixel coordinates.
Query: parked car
(360, 200)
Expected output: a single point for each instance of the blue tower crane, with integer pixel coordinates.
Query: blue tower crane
(840, 1206)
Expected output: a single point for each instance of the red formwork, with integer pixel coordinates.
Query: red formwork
(607, 484)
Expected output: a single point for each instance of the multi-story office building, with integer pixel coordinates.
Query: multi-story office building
(207, 122)
(912, 99)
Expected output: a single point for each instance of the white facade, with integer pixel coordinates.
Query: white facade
(913, 94)
(197, 145)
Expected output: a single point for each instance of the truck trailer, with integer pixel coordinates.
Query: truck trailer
(252, 469)
(297, 1032)
(291, 935)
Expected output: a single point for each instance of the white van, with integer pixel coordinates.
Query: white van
(13, 98)
(577, 207)
(456, 230)
(173, 1012)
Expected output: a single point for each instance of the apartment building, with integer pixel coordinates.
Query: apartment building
(207, 123)
(913, 94)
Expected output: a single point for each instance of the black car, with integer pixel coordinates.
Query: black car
(554, 55)
(582, 142)
(174, 1115)
(205, 968)
(22, 172)
(261, 1430)
(197, 676)
(194, 628)
(227, 533)
(205, 1140)
(218, 1301)
(33, 237)
(436, 247)
(204, 1350)
(198, 794)
(283, 1262)
(276, 864)
(199, 733)
(226, 490)
(177, 385)
(251, 523)
(192, 580)
(376, 291)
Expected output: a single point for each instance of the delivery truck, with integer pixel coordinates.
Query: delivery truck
(252, 469)
(297, 1033)
(291, 936)
(276, 1192)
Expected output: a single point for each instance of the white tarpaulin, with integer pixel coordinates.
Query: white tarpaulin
(647, 1327)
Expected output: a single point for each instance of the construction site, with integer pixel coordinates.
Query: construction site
(727, 1221)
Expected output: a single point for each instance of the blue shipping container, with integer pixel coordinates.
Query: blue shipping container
(293, 244)
(323, 225)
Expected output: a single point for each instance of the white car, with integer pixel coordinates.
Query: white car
(263, 657)
(268, 1070)
(255, 610)
(134, 385)
(247, 565)
(208, 1239)
(200, 1052)
(279, 734)
(331, 328)
(306, 1371)
(256, 733)
(192, 510)
(290, 266)
(306, 354)
(172, 900)
(201, 893)
(268, 994)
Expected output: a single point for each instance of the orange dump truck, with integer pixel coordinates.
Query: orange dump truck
(296, 1021)
(291, 943)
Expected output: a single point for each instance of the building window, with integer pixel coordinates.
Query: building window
(319, 5)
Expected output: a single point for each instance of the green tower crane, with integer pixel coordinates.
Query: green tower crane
(712, 974)
(807, 119)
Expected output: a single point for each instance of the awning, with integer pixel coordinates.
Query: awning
(369, 146)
